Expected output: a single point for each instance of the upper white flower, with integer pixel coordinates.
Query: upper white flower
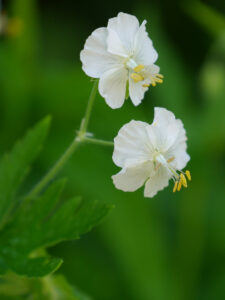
(151, 154)
(122, 56)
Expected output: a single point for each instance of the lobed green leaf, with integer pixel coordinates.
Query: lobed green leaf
(29, 226)
(43, 222)
(14, 167)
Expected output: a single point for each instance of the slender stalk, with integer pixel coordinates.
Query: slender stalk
(55, 169)
(85, 121)
(98, 142)
(80, 138)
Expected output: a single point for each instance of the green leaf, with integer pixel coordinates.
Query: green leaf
(43, 222)
(29, 225)
(52, 287)
(59, 283)
(15, 165)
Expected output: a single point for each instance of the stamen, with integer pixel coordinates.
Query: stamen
(188, 174)
(179, 185)
(175, 186)
(170, 159)
(139, 68)
(136, 77)
(183, 180)
(145, 85)
(158, 80)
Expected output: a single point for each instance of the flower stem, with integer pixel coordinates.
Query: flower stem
(54, 170)
(85, 121)
(98, 142)
(80, 138)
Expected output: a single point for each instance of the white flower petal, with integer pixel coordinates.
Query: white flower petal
(122, 44)
(152, 70)
(125, 26)
(178, 148)
(155, 137)
(132, 178)
(136, 91)
(94, 57)
(157, 182)
(115, 45)
(171, 137)
(112, 86)
(144, 52)
(132, 143)
(163, 117)
(139, 144)
(181, 157)
(164, 130)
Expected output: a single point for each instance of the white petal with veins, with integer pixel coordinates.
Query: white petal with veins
(154, 152)
(132, 178)
(112, 86)
(95, 58)
(157, 183)
(123, 42)
(144, 51)
(125, 27)
(131, 143)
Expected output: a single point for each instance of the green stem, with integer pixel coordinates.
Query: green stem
(68, 153)
(85, 121)
(98, 142)
(55, 169)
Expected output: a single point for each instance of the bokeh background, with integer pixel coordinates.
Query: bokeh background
(168, 247)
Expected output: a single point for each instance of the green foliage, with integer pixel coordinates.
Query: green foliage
(36, 223)
(14, 166)
(52, 287)
(210, 19)
(169, 247)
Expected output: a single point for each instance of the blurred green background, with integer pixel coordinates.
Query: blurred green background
(168, 247)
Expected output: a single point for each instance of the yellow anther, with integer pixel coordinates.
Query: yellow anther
(175, 186)
(136, 77)
(153, 83)
(145, 85)
(170, 159)
(179, 185)
(183, 180)
(160, 76)
(188, 174)
(158, 80)
(139, 68)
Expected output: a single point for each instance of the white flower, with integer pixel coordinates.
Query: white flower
(151, 154)
(123, 57)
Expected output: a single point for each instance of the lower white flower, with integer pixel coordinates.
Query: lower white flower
(151, 154)
(123, 57)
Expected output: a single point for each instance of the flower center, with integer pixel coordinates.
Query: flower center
(140, 73)
(179, 177)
